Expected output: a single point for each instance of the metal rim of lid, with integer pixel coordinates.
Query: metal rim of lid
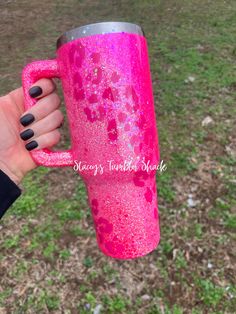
(99, 28)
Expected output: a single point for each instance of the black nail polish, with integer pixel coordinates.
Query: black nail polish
(31, 145)
(27, 134)
(35, 91)
(27, 119)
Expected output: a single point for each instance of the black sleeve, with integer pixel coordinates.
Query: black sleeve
(9, 192)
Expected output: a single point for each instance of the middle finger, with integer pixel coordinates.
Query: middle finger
(49, 123)
(41, 109)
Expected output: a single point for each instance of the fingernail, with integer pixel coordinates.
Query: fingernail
(31, 145)
(27, 134)
(35, 91)
(27, 119)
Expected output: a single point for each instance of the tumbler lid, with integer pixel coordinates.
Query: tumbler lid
(99, 28)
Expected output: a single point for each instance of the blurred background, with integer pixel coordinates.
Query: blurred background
(49, 259)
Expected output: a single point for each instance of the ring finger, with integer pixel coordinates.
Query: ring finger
(46, 140)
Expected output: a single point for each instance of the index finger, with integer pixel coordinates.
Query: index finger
(41, 88)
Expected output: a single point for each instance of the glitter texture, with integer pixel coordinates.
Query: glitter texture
(107, 88)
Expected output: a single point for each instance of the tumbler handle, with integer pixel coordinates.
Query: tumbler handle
(31, 73)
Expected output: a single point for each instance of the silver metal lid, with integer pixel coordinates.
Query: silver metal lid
(99, 28)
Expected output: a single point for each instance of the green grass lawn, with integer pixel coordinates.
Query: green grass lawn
(49, 259)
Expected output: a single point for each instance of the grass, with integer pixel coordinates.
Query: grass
(210, 294)
(42, 301)
(34, 194)
(47, 238)
(165, 189)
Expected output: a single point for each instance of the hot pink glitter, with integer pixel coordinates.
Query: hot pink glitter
(108, 93)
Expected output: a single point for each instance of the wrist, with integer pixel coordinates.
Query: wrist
(15, 175)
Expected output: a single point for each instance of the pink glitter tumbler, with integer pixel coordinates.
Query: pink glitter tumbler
(106, 81)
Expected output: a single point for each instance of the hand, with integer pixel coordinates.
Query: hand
(21, 131)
